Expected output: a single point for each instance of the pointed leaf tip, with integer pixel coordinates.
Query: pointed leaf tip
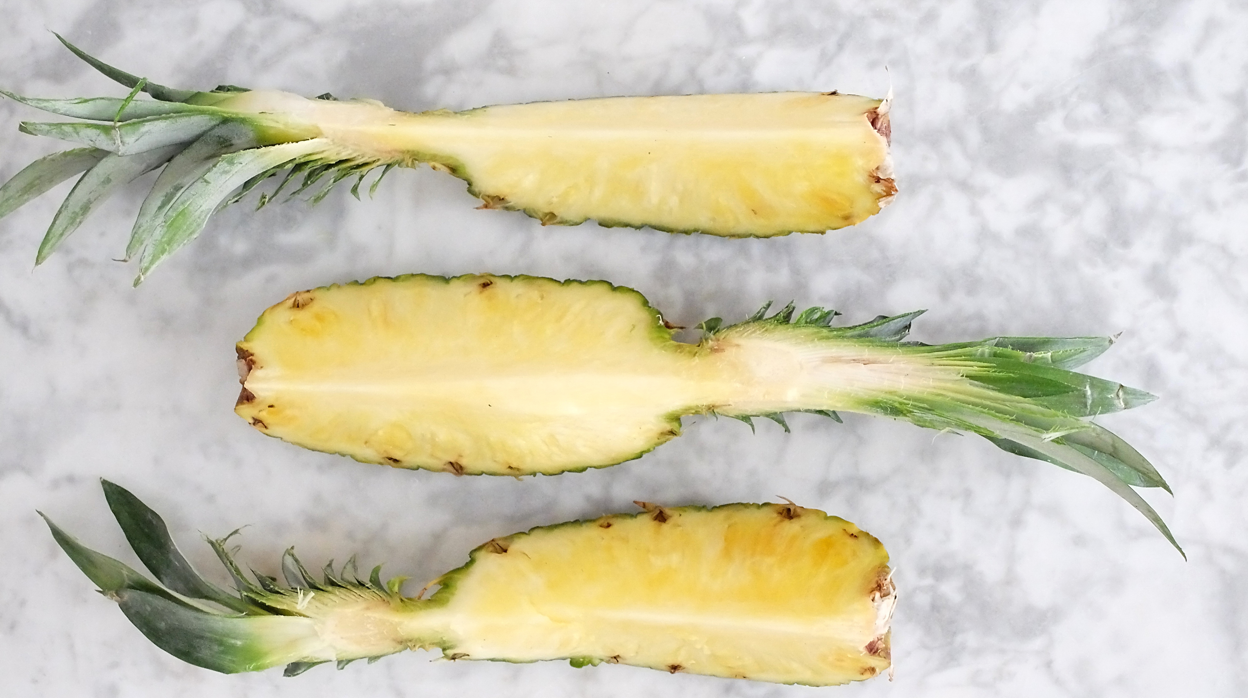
(45, 173)
(183, 221)
(164, 94)
(149, 537)
(883, 328)
(297, 668)
(108, 574)
(747, 420)
(778, 418)
(100, 182)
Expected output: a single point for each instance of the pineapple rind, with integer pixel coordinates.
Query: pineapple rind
(763, 591)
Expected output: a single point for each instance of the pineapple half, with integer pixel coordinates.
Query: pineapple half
(767, 592)
(745, 165)
(499, 375)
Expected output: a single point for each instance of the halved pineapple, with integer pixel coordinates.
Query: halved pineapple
(521, 375)
(732, 165)
(768, 592)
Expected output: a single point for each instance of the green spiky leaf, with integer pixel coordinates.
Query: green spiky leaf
(186, 217)
(1059, 352)
(45, 173)
(128, 137)
(883, 328)
(110, 575)
(109, 108)
(297, 668)
(149, 538)
(96, 186)
(184, 170)
(778, 418)
(160, 92)
(747, 419)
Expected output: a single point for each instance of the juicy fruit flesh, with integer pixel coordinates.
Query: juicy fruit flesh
(734, 165)
(477, 374)
(771, 592)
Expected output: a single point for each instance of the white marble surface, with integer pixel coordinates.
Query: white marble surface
(1065, 168)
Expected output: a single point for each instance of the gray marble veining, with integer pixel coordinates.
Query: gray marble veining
(1065, 168)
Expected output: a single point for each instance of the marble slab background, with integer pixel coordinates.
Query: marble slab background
(1066, 168)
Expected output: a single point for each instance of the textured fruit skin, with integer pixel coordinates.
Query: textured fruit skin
(769, 592)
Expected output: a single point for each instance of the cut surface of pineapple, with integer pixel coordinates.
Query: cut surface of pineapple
(737, 165)
(499, 375)
(770, 592)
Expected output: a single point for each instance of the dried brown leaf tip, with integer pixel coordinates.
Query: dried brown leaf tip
(455, 467)
(789, 510)
(302, 299)
(244, 396)
(489, 201)
(497, 546)
(884, 187)
(655, 511)
(880, 121)
(673, 668)
(246, 363)
(884, 586)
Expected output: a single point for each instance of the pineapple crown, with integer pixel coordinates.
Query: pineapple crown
(264, 623)
(213, 153)
(1019, 393)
